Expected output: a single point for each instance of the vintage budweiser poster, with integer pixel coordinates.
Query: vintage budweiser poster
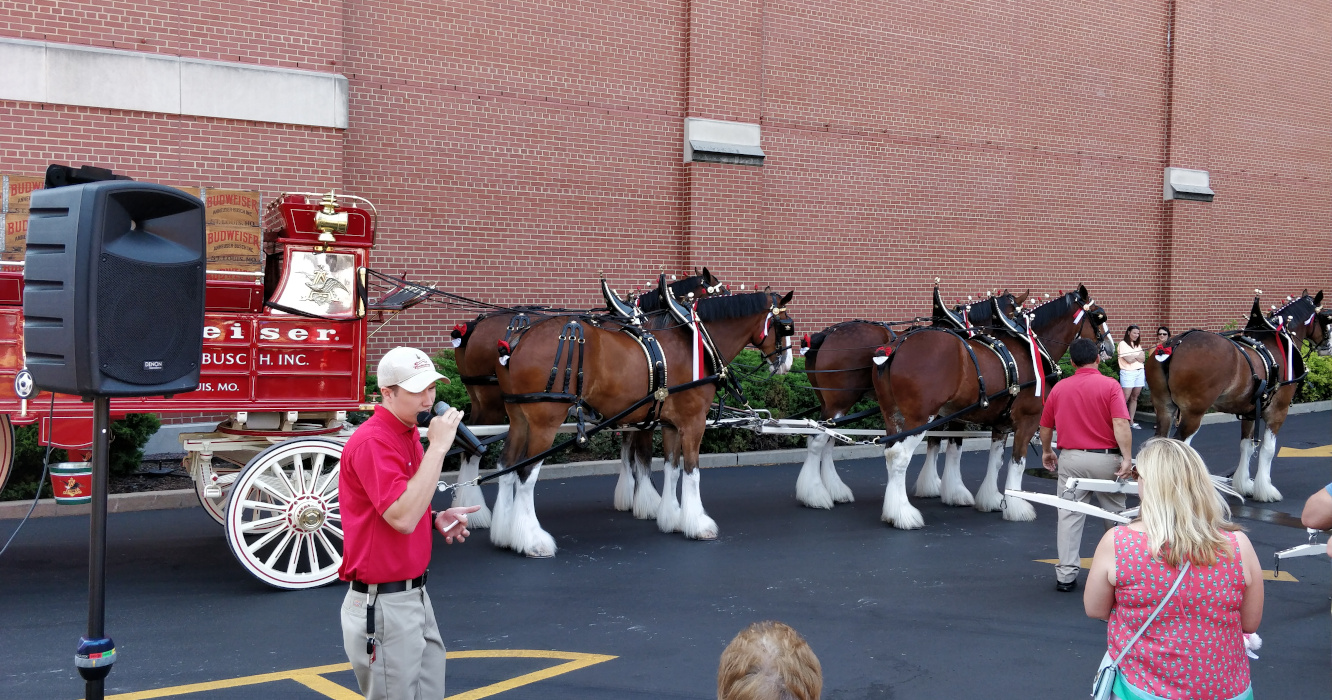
(235, 248)
(231, 207)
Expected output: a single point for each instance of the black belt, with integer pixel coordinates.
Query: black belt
(1103, 451)
(391, 586)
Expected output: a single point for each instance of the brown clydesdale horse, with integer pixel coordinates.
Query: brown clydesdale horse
(615, 375)
(933, 372)
(476, 350)
(838, 364)
(1199, 370)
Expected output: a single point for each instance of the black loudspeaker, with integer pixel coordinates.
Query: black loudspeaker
(113, 297)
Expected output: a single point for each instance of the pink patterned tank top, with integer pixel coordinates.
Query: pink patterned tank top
(1194, 650)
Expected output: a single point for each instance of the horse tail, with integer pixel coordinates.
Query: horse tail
(812, 352)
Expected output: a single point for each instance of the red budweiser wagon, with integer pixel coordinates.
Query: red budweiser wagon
(283, 355)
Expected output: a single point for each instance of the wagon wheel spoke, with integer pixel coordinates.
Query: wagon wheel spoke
(295, 557)
(337, 531)
(282, 474)
(298, 472)
(330, 487)
(253, 526)
(311, 556)
(328, 546)
(254, 547)
(268, 489)
(281, 547)
(322, 484)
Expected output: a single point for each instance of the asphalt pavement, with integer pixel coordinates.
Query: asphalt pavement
(959, 608)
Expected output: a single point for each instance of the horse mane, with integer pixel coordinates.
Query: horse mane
(980, 310)
(1305, 311)
(651, 300)
(734, 306)
(1047, 313)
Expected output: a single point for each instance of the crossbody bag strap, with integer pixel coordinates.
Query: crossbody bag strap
(1178, 580)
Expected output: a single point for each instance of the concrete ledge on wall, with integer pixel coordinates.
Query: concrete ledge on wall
(86, 76)
(715, 141)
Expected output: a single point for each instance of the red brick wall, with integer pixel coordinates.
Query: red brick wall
(284, 33)
(514, 150)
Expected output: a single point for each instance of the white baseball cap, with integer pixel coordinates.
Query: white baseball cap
(408, 368)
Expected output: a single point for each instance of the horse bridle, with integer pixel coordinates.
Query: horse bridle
(782, 328)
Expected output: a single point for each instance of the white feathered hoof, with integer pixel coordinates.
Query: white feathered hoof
(698, 526)
(1242, 486)
(646, 500)
(810, 490)
(624, 490)
(535, 543)
(472, 496)
(841, 493)
(904, 517)
(1264, 491)
(928, 483)
(956, 496)
(988, 498)
(1018, 511)
(668, 516)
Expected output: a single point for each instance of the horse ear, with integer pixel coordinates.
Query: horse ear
(767, 288)
(708, 279)
(787, 299)
(1318, 298)
(1019, 300)
(1082, 289)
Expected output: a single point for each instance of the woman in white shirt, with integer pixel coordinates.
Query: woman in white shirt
(1131, 375)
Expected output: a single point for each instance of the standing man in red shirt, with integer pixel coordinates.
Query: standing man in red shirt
(384, 489)
(1095, 442)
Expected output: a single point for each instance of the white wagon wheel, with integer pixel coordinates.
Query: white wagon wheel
(6, 449)
(283, 522)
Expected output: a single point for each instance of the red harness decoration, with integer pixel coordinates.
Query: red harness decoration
(1286, 350)
(504, 351)
(804, 345)
(458, 333)
(1162, 353)
(699, 353)
(1035, 358)
(881, 354)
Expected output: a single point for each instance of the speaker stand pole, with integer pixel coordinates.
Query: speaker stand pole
(96, 651)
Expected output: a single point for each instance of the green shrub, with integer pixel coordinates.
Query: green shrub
(1318, 385)
(128, 436)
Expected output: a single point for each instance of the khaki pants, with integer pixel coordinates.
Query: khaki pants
(1076, 464)
(409, 653)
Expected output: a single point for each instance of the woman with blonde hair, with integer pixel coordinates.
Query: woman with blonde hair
(1194, 646)
(769, 661)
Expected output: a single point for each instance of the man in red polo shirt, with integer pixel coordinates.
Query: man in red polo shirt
(1095, 442)
(385, 486)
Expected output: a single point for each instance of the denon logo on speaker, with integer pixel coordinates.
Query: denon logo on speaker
(152, 366)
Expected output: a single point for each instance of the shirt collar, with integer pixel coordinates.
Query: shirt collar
(391, 421)
(1089, 369)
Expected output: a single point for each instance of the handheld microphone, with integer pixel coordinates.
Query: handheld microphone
(464, 439)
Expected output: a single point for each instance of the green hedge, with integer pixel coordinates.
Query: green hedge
(128, 436)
